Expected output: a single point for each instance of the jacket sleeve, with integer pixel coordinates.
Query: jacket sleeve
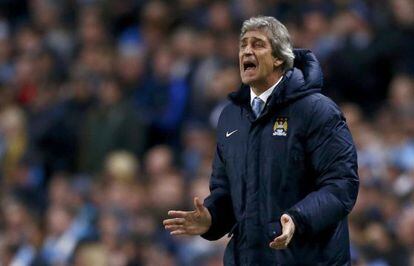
(219, 201)
(333, 160)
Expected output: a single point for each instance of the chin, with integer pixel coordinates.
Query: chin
(248, 81)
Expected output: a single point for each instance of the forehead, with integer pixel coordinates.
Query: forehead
(254, 34)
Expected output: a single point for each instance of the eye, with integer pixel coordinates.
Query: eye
(259, 44)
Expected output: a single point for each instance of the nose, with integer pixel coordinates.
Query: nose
(247, 50)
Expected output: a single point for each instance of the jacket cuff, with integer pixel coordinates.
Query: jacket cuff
(213, 232)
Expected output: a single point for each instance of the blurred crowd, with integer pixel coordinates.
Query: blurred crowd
(108, 110)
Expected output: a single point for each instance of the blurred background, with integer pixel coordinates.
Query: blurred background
(108, 112)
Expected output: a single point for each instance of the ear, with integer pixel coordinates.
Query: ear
(277, 63)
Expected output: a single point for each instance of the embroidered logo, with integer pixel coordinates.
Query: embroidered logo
(280, 127)
(228, 134)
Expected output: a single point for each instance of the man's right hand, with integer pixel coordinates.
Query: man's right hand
(195, 222)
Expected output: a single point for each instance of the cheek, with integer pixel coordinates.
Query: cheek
(267, 65)
(240, 56)
(240, 62)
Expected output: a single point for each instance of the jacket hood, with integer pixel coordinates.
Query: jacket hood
(303, 79)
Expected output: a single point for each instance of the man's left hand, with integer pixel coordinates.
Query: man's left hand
(288, 229)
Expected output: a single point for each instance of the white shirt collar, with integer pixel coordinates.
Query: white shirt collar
(265, 95)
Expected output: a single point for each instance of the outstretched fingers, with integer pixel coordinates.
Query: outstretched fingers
(178, 214)
(195, 222)
(280, 242)
(178, 232)
(176, 226)
(173, 227)
(174, 221)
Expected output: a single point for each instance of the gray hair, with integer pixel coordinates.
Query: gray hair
(278, 36)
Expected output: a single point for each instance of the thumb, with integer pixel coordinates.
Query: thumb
(198, 205)
(284, 219)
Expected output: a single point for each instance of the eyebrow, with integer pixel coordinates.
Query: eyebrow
(255, 38)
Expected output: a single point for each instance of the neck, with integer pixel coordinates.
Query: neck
(259, 88)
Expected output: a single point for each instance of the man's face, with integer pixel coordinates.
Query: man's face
(255, 59)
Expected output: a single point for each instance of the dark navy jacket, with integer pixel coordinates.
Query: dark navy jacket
(297, 157)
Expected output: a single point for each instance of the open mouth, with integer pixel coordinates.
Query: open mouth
(249, 65)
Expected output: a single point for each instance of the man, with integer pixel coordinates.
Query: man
(285, 172)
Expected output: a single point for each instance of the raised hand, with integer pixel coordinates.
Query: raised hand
(195, 222)
(288, 229)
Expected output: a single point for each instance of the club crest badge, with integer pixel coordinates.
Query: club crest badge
(280, 127)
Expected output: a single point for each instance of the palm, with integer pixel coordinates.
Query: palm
(195, 222)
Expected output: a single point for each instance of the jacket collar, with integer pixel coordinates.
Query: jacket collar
(242, 96)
